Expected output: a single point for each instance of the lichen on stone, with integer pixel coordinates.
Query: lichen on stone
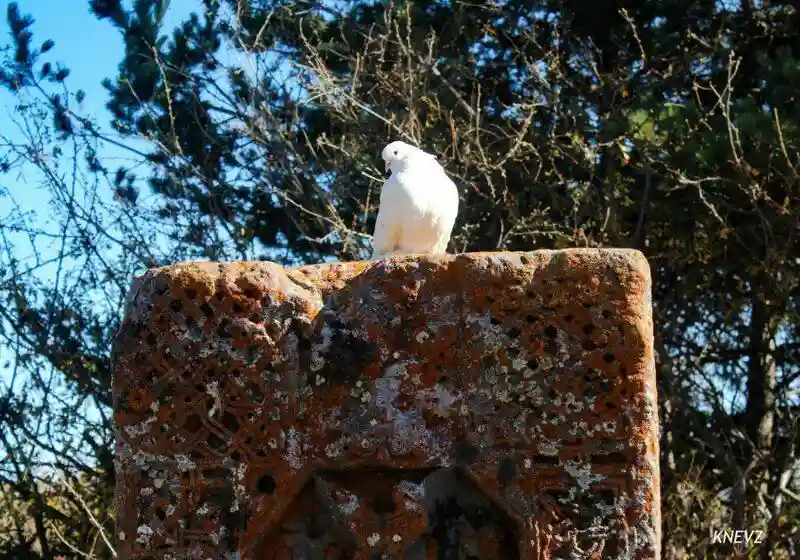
(379, 410)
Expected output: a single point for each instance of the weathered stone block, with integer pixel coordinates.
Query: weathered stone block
(484, 406)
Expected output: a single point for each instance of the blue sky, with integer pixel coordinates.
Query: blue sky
(90, 48)
(79, 38)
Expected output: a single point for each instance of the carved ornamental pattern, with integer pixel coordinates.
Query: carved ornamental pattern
(479, 406)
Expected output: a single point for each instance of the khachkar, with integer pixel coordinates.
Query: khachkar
(489, 405)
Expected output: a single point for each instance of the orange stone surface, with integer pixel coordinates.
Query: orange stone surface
(476, 406)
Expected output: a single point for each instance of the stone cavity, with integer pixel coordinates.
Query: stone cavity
(481, 406)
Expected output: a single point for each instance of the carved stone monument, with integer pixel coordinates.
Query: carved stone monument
(479, 406)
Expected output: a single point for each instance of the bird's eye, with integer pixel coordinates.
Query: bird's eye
(396, 152)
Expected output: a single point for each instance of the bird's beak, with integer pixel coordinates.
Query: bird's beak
(386, 166)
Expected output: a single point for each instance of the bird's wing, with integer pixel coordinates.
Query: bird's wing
(447, 208)
(386, 235)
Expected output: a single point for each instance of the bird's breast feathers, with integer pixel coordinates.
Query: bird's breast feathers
(424, 188)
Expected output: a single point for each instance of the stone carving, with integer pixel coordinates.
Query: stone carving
(479, 406)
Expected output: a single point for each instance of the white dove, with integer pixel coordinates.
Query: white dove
(418, 205)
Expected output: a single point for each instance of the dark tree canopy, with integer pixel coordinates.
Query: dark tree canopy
(253, 131)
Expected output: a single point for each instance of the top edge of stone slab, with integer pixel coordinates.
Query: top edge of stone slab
(329, 276)
(633, 258)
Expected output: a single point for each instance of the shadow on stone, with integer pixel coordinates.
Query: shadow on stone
(413, 514)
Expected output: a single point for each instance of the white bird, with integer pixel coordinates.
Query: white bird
(418, 205)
